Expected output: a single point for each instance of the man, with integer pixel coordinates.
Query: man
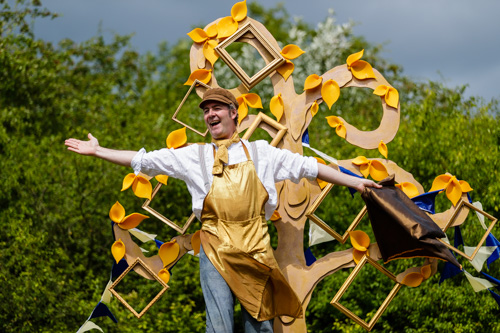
(231, 182)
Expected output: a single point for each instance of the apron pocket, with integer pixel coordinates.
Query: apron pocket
(243, 235)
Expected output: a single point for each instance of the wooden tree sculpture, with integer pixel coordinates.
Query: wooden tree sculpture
(296, 201)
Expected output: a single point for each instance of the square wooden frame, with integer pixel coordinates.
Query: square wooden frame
(262, 118)
(348, 282)
(162, 218)
(460, 206)
(250, 82)
(174, 117)
(323, 225)
(138, 261)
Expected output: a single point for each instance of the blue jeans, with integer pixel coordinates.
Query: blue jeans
(219, 303)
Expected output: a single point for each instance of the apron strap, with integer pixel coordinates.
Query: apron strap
(203, 166)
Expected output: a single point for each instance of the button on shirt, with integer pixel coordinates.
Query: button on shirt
(273, 165)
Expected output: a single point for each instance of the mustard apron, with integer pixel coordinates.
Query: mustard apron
(235, 239)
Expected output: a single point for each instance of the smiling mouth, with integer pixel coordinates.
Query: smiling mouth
(214, 123)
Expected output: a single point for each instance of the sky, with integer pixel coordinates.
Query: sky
(456, 42)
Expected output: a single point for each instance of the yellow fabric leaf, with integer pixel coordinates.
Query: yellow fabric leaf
(392, 98)
(330, 92)
(320, 160)
(341, 131)
(168, 252)
(413, 279)
(276, 106)
(198, 35)
(365, 169)
(177, 138)
(127, 181)
(253, 100)
(354, 57)
(118, 250)
(291, 51)
(378, 170)
(276, 216)
(209, 51)
(381, 90)
(202, 75)
(465, 186)
(212, 31)
(286, 69)
(440, 182)
(142, 187)
(454, 191)
(239, 11)
(314, 108)
(360, 160)
(426, 271)
(362, 70)
(226, 27)
(334, 121)
(312, 81)
(358, 255)
(164, 274)
(359, 240)
(117, 213)
(195, 242)
(162, 179)
(131, 221)
(322, 184)
(408, 188)
(242, 111)
(382, 148)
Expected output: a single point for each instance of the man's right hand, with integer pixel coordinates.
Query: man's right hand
(88, 148)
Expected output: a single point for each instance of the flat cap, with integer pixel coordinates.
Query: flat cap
(219, 95)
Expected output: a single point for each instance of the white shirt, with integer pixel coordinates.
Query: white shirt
(274, 165)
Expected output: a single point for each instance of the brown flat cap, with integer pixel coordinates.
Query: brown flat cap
(219, 95)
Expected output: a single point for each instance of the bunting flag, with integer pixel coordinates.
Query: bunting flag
(449, 271)
(481, 256)
(495, 296)
(344, 170)
(107, 295)
(480, 216)
(118, 269)
(142, 236)
(310, 258)
(318, 235)
(492, 279)
(426, 201)
(101, 310)
(478, 284)
(492, 241)
(459, 240)
(158, 243)
(305, 143)
(87, 326)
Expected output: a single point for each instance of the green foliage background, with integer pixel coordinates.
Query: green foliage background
(55, 235)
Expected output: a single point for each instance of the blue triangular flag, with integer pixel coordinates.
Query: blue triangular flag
(305, 136)
(449, 271)
(102, 310)
(492, 241)
(426, 201)
(310, 258)
(492, 279)
(495, 296)
(158, 243)
(344, 170)
(119, 268)
(459, 240)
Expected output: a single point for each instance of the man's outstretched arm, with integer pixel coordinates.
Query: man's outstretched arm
(92, 148)
(336, 177)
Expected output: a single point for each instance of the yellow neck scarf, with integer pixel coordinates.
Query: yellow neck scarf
(221, 156)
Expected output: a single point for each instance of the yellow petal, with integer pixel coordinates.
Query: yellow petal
(314, 108)
(426, 271)
(381, 90)
(378, 170)
(226, 27)
(357, 255)
(330, 92)
(341, 131)
(440, 182)
(177, 138)
(382, 148)
(198, 35)
(362, 70)
(286, 69)
(413, 279)
(312, 81)
(239, 11)
(253, 100)
(365, 169)
(320, 160)
(202, 75)
(242, 111)
(392, 98)
(354, 57)
(276, 216)
(291, 51)
(195, 242)
(117, 213)
(333, 121)
(465, 186)
(322, 184)
(162, 179)
(142, 187)
(408, 188)
(164, 274)
(209, 51)
(127, 181)
(133, 220)
(359, 240)
(212, 31)
(454, 191)
(168, 252)
(360, 160)
(118, 250)
(276, 106)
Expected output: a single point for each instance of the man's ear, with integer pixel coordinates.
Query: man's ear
(234, 113)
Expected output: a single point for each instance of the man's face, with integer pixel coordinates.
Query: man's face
(219, 119)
